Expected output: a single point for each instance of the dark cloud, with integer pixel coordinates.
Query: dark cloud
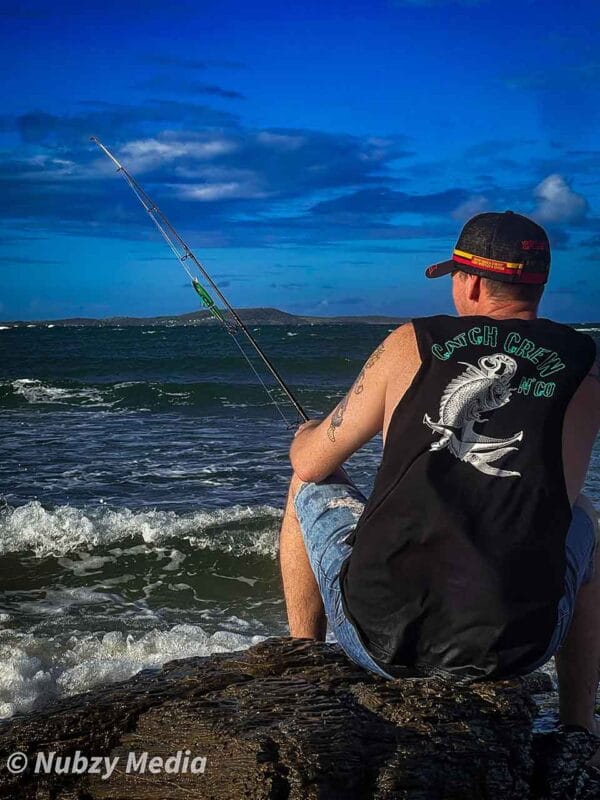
(385, 202)
(295, 161)
(111, 120)
(225, 185)
(179, 86)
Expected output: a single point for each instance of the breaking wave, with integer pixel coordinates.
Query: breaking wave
(141, 395)
(238, 530)
(35, 670)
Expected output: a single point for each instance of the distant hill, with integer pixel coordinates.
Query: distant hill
(250, 316)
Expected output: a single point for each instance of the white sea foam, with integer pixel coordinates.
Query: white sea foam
(34, 670)
(64, 529)
(35, 391)
(85, 564)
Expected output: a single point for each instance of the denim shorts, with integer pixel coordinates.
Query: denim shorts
(328, 512)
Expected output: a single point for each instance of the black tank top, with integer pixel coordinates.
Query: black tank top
(458, 560)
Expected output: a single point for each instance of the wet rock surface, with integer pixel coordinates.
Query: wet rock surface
(295, 719)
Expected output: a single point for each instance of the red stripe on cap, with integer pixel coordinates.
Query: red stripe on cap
(497, 266)
(524, 277)
(532, 277)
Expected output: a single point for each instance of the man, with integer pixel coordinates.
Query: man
(474, 555)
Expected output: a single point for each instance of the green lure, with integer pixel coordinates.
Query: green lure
(207, 300)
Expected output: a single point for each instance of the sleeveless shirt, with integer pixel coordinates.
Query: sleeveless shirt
(458, 559)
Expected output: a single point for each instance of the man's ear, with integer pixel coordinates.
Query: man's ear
(473, 287)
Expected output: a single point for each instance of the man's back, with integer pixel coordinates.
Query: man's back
(581, 422)
(460, 549)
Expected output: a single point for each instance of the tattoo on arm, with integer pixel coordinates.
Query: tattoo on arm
(338, 415)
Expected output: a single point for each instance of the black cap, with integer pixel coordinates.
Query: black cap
(502, 247)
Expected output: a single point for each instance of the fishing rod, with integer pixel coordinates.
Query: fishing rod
(184, 255)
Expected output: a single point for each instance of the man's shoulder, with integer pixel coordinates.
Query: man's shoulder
(400, 347)
(401, 335)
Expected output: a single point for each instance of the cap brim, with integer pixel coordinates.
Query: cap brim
(443, 268)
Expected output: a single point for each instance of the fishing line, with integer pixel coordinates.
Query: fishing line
(184, 254)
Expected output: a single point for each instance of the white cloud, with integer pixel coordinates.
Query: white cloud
(557, 202)
(209, 192)
(142, 154)
(46, 166)
(215, 174)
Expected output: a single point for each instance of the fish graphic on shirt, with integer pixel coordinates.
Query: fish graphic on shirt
(476, 391)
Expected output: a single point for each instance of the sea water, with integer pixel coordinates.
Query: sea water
(143, 474)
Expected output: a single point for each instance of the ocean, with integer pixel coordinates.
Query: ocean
(142, 479)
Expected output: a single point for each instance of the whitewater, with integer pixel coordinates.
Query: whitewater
(142, 480)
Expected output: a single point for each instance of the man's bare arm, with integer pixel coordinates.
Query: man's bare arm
(337, 416)
(318, 449)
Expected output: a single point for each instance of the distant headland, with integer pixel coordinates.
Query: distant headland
(250, 316)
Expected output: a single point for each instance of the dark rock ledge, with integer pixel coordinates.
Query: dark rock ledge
(295, 719)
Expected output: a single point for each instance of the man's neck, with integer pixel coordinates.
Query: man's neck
(510, 311)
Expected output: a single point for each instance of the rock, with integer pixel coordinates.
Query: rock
(295, 719)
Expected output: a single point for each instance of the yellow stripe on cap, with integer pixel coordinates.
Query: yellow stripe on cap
(487, 263)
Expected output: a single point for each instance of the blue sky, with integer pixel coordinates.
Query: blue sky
(316, 155)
